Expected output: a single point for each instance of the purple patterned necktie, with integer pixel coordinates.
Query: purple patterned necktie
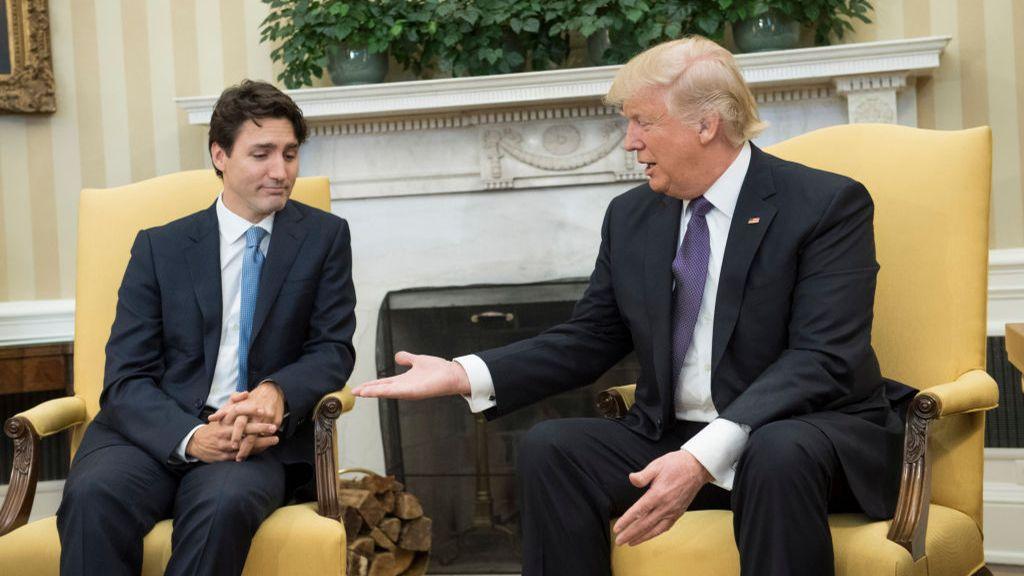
(690, 269)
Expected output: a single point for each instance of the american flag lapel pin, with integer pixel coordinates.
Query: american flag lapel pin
(754, 220)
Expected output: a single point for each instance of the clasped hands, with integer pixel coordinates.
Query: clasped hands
(243, 427)
(672, 481)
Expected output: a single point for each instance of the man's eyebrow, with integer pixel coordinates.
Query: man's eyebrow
(272, 146)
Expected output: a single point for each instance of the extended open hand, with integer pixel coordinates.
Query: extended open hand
(428, 377)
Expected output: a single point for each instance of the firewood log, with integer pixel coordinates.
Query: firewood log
(363, 545)
(407, 506)
(419, 566)
(383, 564)
(403, 559)
(352, 520)
(392, 527)
(416, 535)
(381, 539)
(358, 565)
(364, 501)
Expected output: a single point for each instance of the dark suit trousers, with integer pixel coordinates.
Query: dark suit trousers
(573, 481)
(115, 494)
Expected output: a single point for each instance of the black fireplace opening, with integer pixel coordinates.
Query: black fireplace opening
(461, 466)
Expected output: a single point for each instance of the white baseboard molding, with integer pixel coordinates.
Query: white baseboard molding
(1004, 505)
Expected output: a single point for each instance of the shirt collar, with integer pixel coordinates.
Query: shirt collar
(725, 192)
(232, 226)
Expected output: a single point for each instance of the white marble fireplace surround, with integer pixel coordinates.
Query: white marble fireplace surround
(505, 179)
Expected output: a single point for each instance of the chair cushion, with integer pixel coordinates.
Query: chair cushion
(293, 540)
(703, 542)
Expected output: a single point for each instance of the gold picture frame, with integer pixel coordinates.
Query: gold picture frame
(26, 64)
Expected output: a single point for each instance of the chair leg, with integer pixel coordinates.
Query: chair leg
(983, 571)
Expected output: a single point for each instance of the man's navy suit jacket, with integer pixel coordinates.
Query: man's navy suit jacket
(792, 324)
(165, 338)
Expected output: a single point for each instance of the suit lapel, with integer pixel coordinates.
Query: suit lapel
(203, 257)
(744, 240)
(659, 250)
(284, 245)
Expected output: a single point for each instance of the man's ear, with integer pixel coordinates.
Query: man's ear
(708, 128)
(219, 156)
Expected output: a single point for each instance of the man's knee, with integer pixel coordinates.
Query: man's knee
(550, 442)
(90, 492)
(232, 499)
(784, 451)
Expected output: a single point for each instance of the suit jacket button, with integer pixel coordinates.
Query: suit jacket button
(198, 403)
(658, 422)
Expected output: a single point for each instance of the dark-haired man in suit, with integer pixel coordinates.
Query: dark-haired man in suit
(745, 285)
(231, 324)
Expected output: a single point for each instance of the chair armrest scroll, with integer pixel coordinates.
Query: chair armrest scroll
(26, 429)
(614, 402)
(972, 392)
(327, 411)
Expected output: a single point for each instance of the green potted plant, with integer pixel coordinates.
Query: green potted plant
(350, 38)
(775, 24)
(478, 37)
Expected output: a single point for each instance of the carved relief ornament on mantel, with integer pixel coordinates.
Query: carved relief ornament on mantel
(549, 129)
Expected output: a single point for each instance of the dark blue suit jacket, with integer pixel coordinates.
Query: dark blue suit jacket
(792, 326)
(163, 345)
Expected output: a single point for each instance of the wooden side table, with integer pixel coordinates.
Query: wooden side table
(1015, 347)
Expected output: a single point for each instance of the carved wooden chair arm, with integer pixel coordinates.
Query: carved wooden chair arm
(327, 411)
(973, 391)
(614, 402)
(26, 429)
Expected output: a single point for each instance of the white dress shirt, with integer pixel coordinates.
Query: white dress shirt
(718, 445)
(232, 250)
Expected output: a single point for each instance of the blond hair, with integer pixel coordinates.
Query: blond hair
(701, 78)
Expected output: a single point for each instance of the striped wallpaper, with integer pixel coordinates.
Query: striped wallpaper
(119, 63)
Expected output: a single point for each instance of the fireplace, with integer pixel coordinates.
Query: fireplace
(461, 466)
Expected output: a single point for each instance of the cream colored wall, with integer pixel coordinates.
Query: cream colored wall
(981, 81)
(120, 63)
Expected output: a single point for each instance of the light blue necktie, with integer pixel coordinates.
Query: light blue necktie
(252, 264)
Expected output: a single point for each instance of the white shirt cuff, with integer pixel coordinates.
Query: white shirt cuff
(480, 383)
(718, 447)
(180, 452)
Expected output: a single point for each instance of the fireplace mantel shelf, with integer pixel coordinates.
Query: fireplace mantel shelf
(804, 67)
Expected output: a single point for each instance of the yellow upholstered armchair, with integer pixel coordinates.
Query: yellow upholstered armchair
(931, 194)
(298, 539)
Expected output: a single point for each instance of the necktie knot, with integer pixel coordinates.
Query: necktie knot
(253, 236)
(700, 206)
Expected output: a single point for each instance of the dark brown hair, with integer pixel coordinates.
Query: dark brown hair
(251, 100)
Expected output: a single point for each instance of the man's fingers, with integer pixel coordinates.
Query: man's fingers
(645, 476)
(367, 389)
(245, 447)
(260, 428)
(640, 517)
(404, 358)
(238, 430)
(262, 444)
(661, 526)
(239, 396)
